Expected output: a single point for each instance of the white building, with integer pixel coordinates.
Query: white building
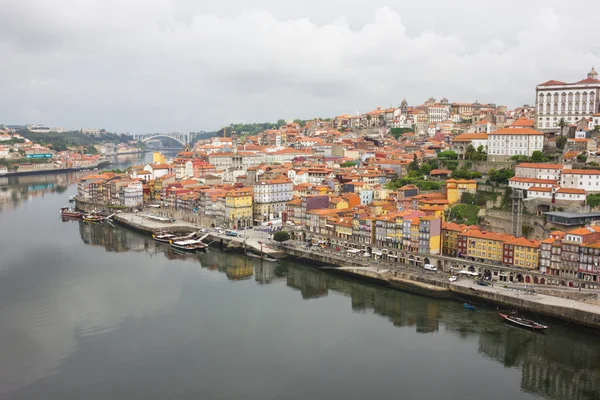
(132, 194)
(572, 101)
(586, 179)
(539, 171)
(438, 113)
(511, 141)
(4, 152)
(270, 198)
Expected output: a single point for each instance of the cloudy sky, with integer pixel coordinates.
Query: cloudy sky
(190, 65)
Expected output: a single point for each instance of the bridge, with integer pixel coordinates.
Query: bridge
(183, 138)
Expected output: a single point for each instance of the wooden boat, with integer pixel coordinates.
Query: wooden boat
(523, 323)
(263, 257)
(93, 218)
(188, 245)
(65, 212)
(469, 306)
(163, 237)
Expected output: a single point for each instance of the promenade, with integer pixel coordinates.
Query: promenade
(256, 240)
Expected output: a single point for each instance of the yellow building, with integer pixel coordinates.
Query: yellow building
(525, 253)
(456, 188)
(450, 233)
(158, 157)
(338, 203)
(482, 245)
(238, 208)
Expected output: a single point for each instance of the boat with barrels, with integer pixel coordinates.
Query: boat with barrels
(189, 245)
(66, 212)
(168, 237)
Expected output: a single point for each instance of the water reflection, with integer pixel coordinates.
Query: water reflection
(562, 364)
(15, 190)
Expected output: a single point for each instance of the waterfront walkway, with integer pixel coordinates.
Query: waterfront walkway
(252, 239)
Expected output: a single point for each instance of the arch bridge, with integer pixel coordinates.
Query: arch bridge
(183, 138)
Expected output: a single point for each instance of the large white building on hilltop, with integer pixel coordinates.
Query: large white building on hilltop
(572, 101)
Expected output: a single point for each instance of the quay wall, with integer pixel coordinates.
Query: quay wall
(569, 314)
(434, 286)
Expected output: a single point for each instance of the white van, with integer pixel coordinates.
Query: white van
(430, 267)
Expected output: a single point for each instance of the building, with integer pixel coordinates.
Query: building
(555, 100)
(132, 194)
(513, 141)
(238, 208)
(456, 188)
(270, 198)
(461, 142)
(586, 179)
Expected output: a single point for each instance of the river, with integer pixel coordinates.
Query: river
(97, 312)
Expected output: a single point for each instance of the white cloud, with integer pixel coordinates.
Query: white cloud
(164, 65)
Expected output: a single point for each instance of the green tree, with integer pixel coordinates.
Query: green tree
(414, 164)
(426, 169)
(596, 128)
(280, 122)
(447, 155)
(348, 164)
(561, 141)
(537, 156)
(469, 152)
(562, 123)
(501, 176)
(581, 158)
(281, 236)
(593, 200)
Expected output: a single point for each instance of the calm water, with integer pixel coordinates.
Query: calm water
(100, 312)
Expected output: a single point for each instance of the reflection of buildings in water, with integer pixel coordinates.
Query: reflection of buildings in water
(548, 367)
(401, 308)
(15, 190)
(312, 284)
(115, 239)
(237, 272)
(264, 272)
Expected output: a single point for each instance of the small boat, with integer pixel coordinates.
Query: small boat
(188, 245)
(523, 323)
(163, 237)
(71, 199)
(66, 212)
(469, 306)
(93, 218)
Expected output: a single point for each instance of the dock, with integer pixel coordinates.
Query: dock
(149, 223)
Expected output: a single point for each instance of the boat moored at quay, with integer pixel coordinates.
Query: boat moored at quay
(189, 245)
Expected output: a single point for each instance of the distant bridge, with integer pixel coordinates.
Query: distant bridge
(183, 138)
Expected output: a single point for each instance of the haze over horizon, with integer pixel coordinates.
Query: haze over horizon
(176, 65)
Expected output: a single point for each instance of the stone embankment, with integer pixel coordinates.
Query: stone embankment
(569, 307)
(141, 222)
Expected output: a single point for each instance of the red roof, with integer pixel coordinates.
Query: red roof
(552, 82)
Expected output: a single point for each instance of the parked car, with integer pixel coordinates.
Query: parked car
(367, 254)
(453, 278)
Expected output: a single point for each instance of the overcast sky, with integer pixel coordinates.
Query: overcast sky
(190, 65)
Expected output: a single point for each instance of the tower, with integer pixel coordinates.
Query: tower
(592, 74)
(517, 213)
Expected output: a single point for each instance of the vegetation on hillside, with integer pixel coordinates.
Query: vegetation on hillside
(61, 141)
(463, 214)
(593, 200)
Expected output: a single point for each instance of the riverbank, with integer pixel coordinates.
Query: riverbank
(437, 285)
(251, 240)
(57, 170)
(400, 277)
